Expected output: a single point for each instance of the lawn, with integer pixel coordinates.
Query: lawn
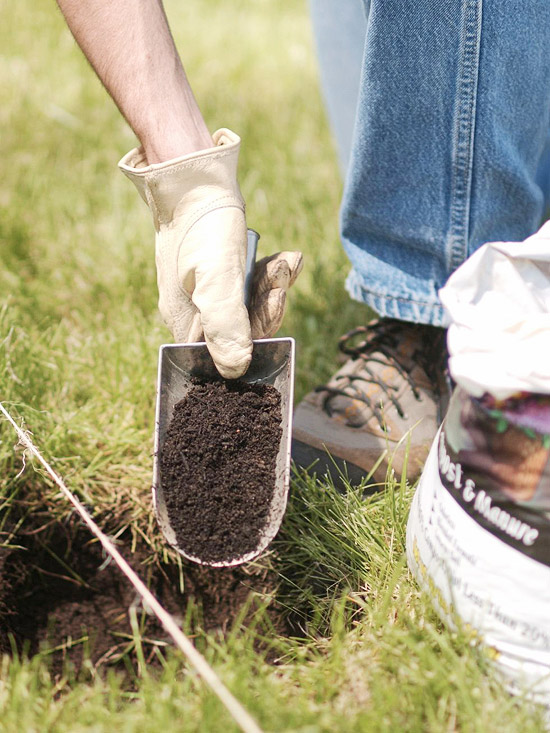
(327, 632)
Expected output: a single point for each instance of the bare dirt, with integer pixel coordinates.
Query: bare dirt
(57, 593)
(218, 467)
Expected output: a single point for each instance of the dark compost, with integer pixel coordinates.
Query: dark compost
(217, 467)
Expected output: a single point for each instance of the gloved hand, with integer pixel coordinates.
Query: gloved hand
(272, 278)
(201, 241)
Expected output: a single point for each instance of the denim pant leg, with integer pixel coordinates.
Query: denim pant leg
(450, 138)
(339, 27)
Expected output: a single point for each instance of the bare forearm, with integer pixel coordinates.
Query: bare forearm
(129, 44)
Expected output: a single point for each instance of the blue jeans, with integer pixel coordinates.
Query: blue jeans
(441, 112)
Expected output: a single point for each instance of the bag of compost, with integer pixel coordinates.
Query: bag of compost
(478, 535)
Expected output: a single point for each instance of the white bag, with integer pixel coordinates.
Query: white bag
(478, 535)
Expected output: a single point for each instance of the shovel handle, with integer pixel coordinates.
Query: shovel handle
(251, 248)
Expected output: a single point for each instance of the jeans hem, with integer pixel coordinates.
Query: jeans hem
(403, 309)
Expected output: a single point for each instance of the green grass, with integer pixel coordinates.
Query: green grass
(79, 333)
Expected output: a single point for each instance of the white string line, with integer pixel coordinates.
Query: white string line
(241, 716)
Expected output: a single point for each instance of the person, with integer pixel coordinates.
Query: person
(188, 178)
(441, 115)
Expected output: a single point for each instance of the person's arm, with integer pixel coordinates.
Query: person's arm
(130, 47)
(188, 178)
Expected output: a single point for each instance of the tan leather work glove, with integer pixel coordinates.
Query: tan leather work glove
(201, 241)
(272, 278)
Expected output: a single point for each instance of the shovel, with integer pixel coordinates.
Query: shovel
(272, 363)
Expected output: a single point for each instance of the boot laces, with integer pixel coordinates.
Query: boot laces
(378, 344)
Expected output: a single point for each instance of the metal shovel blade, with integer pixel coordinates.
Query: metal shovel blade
(272, 363)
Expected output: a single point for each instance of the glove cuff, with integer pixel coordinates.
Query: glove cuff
(184, 183)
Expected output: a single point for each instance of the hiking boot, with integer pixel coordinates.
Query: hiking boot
(387, 401)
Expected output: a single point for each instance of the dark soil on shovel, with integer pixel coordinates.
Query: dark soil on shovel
(217, 467)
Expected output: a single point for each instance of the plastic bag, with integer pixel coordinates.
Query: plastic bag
(478, 534)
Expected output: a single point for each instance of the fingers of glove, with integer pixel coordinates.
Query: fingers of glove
(231, 353)
(277, 271)
(188, 329)
(230, 347)
(231, 359)
(226, 328)
(210, 267)
(179, 312)
(267, 313)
